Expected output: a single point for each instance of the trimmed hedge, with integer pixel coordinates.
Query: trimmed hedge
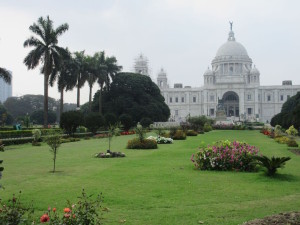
(23, 133)
(145, 144)
(17, 141)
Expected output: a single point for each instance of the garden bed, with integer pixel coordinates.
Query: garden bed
(291, 218)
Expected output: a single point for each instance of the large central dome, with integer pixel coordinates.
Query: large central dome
(232, 48)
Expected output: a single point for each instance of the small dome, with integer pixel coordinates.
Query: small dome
(254, 71)
(162, 73)
(208, 72)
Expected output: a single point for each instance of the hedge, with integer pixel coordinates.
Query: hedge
(22, 133)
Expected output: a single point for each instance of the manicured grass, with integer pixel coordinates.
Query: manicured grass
(153, 186)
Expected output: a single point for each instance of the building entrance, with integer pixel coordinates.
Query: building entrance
(231, 103)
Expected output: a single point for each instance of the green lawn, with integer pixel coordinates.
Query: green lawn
(153, 186)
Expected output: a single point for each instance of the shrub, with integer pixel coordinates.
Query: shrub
(136, 143)
(126, 121)
(110, 154)
(140, 132)
(225, 155)
(278, 131)
(110, 119)
(292, 143)
(282, 139)
(179, 135)
(70, 139)
(161, 140)
(292, 131)
(70, 120)
(270, 164)
(146, 121)
(191, 133)
(93, 121)
(207, 127)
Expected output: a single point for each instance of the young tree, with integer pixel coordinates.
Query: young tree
(46, 51)
(54, 141)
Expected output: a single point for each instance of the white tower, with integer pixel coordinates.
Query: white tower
(162, 80)
(141, 65)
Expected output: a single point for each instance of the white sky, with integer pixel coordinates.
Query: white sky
(182, 36)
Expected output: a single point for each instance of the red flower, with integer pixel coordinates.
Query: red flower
(54, 209)
(67, 210)
(44, 218)
(67, 215)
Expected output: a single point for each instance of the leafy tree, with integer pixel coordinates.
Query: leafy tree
(146, 121)
(5, 75)
(290, 113)
(197, 122)
(93, 121)
(5, 117)
(271, 164)
(126, 121)
(110, 119)
(135, 95)
(54, 141)
(37, 117)
(45, 51)
(70, 120)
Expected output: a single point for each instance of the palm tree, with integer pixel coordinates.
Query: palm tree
(101, 71)
(45, 51)
(5, 75)
(271, 164)
(66, 77)
(92, 76)
(80, 69)
(112, 70)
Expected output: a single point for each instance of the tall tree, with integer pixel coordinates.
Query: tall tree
(45, 51)
(92, 76)
(101, 69)
(112, 70)
(80, 69)
(66, 77)
(5, 74)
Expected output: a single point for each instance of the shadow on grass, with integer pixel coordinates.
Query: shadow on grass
(56, 171)
(279, 177)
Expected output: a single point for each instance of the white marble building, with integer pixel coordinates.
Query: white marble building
(233, 80)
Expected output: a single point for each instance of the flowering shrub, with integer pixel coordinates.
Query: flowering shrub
(292, 131)
(127, 132)
(161, 140)
(191, 133)
(144, 144)
(226, 155)
(110, 154)
(179, 135)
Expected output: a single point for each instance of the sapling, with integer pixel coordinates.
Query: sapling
(54, 141)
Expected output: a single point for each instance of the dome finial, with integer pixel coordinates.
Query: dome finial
(231, 34)
(230, 22)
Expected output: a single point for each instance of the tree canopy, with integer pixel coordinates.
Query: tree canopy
(290, 113)
(135, 95)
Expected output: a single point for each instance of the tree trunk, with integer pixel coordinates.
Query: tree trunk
(54, 160)
(46, 78)
(100, 101)
(78, 96)
(90, 99)
(61, 108)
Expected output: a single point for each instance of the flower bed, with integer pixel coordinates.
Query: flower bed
(161, 140)
(127, 132)
(110, 154)
(226, 155)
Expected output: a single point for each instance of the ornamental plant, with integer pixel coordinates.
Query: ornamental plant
(292, 131)
(226, 156)
(161, 140)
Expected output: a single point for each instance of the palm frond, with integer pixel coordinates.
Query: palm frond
(5, 75)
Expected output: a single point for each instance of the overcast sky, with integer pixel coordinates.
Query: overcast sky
(182, 36)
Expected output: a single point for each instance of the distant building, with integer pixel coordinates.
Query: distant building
(233, 82)
(141, 65)
(5, 90)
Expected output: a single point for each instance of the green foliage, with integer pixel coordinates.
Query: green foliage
(1, 161)
(140, 132)
(290, 113)
(135, 95)
(191, 133)
(146, 121)
(292, 143)
(179, 135)
(70, 120)
(37, 117)
(292, 131)
(271, 164)
(36, 134)
(69, 139)
(207, 127)
(54, 141)
(136, 143)
(126, 121)
(93, 121)
(110, 119)
(14, 213)
(197, 122)
(282, 139)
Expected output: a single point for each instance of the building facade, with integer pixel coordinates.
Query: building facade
(5, 90)
(234, 81)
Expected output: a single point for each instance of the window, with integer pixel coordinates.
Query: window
(212, 98)
(176, 99)
(176, 112)
(281, 97)
(258, 97)
(249, 97)
(269, 98)
(194, 98)
(182, 99)
(170, 99)
(211, 112)
(249, 111)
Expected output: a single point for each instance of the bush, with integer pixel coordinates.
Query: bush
(292, 131)
(144, 144)
(270, 164)
(146, 121)
(191, 133)
(110, 154)
(36, 137)
(225, 155)
(70, 120)
(207, 127)
(179, 135)
(292, 143)
(126, 121)
(282, 139)
(93, 121)
(17, 141)
(161, 140)
(69, 139)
